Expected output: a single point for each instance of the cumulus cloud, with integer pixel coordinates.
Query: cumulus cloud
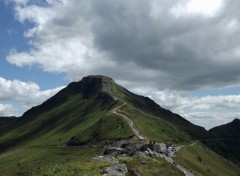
(203, 7)
(208, 111)
(22, 95)
(179, 103)
(6, 109)
(211, 119)
(15, 89)
(146, 45)
(41, 96)
(183, 52)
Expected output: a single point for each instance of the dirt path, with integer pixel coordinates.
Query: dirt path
(137, 132)
(117, 111)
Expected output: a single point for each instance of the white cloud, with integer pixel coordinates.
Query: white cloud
(177, 102)
(207, 111)
(22, 95)
(15, 89)
(6, 109)
(105, 37)
(41, 96)
(148, 46)
(211, 119)
(195, 7)
(63, 40)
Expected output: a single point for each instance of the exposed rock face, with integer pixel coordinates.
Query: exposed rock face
(142, 155)
(153, 147)
(116, 170)
(105, 158)
(90, 87)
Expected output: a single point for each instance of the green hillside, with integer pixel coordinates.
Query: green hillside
(82, 114)
(7, 120)
(225, 140)
(204, 162)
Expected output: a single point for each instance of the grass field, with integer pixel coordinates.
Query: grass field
(205, 162)
(58, 125)
(23, 161)
(82, 112)
(152, 167)
(154, 127)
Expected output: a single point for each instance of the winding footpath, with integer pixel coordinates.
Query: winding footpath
(180, 167)
(137, 132)
(117, 111)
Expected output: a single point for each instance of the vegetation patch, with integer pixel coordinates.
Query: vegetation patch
(205, 162)
(150, 167)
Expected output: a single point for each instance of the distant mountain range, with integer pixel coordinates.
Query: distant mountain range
(8, 120)
(225, 140)
(81, 114)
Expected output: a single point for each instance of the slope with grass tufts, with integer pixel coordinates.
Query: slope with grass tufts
(82, 113)
(92, 112)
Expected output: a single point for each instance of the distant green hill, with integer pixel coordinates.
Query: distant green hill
(81, 109)
(229, 130)
(7, 120)
(82, 113)
(225, 140)
(205, 162)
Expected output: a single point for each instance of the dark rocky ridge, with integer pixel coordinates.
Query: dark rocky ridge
(89, 87)
(98, 90)
(225, 140)
(229, 130)
(8, 120)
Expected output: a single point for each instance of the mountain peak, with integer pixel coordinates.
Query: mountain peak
(227, 130)
(237, 121)
(98, 80)
(99, 77)
(93, 84)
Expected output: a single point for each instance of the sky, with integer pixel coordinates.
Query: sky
(184, 54)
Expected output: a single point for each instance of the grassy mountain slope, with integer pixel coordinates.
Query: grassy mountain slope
(46, 161)
(72, 162)
(80, 114)
(81, 109)
(157, 122)
(229, 130)
(7, 120)
(225, 140)
(83, 112)
(204, 162)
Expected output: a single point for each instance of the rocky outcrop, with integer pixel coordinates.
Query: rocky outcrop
(116, 170)
(105, 158)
